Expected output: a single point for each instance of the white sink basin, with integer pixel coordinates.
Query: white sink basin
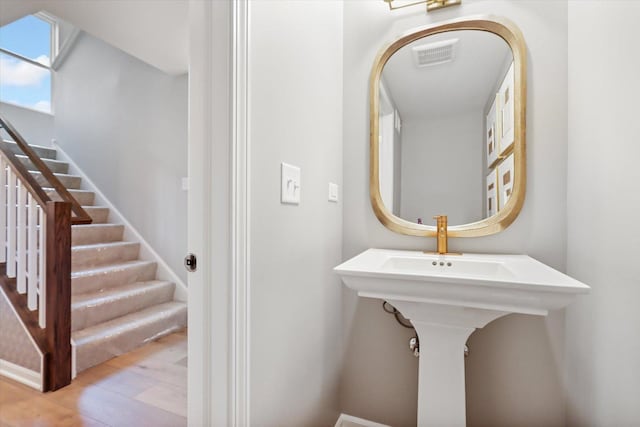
(446, 297)
(515, 283)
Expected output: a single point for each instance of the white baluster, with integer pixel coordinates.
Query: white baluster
(42, 274)
(11, 225)
(21, 238)
(32, 247)
(3, 210)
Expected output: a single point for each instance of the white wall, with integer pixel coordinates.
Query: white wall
(125, 124)
(35, 127)
(430, 184)
(514, 373)
(603, 349)
(295, 116)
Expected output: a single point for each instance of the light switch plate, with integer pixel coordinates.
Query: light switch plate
(333, 192)
(290, 184)
(185, 184)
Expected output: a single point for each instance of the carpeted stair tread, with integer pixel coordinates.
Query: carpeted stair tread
(92, 308)
(85, 234)
(104, 341)
(111, 275)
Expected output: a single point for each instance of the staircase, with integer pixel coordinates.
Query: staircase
(117, 303)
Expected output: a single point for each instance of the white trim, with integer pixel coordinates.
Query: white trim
(21, 374)
(241, 278)
(200, 382)
(53, 35)
(211, 146)
(217, 214)
(24, 58)
(65, 49)
(358, 421)
(164, 272)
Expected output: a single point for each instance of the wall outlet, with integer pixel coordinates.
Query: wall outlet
(333, 192)
(290, 184)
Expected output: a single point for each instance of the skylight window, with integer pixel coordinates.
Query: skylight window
(25, 62)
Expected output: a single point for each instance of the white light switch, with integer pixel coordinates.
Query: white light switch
(185, 184)
(290, 186)
(333, 192)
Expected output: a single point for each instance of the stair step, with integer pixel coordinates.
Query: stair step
(83, 197)
(112, 275)
(99, 214)
(55, 165)
(96, 233)
(104, 341)
(84, 257)
(42, 152)
(97, 307)
(72, 182)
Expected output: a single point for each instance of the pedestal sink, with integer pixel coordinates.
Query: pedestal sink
(446, 297)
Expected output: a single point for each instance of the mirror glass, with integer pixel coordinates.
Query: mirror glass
(446, 128)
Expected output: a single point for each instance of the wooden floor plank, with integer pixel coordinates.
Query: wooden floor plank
(146, 387)
(117, 380)
(113, 408)
(26, 407)
(165, 397)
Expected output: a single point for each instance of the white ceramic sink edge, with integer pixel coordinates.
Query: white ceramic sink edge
(508, 283)
(495, 270)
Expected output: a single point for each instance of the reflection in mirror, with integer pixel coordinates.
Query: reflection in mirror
(446, 127)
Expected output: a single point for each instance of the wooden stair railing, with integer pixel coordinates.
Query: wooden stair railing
(80, 215)
(35, 256)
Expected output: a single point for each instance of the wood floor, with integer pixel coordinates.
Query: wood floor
(147, 387)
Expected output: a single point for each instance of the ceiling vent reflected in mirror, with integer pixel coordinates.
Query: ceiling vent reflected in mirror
(436, 53)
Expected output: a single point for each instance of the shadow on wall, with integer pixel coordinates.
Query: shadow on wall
(379, 338)
(497, 364)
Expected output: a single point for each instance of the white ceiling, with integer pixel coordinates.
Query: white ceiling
(155, 31)
(464, 84)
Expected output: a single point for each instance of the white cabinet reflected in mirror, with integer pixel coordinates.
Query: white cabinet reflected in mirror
(448, 129)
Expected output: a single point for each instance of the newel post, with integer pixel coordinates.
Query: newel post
(58, 295)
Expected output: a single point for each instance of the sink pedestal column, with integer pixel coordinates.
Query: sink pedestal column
(443, 331)
(441, 390)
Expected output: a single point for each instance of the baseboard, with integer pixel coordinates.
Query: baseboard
(21, 374)
(350, 421)
(147, 252)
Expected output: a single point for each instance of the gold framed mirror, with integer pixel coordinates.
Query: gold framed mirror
(447, 128)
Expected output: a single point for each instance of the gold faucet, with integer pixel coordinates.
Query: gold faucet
(441, 229)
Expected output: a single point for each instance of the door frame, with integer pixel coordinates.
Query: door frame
(218, 207)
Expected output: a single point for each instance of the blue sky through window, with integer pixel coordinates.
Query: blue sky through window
(23, 83)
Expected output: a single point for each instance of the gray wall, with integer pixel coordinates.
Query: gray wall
(34, 126)
(514, 372)
(603, 349)
(125, 124)
(295, 83)
(442, 167)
